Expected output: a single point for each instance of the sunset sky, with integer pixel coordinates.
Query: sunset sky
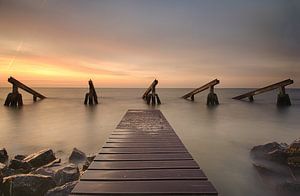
(128, 43)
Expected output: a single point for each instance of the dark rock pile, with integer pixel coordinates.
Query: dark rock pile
(279, 164)
(40, 173)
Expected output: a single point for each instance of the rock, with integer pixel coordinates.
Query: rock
(77, 156)
(67, 174)
(86, 165)
(279, 156)
(40, 158)
(1, 181)
(88, 161)
(46, 171)
(27, 184)
(291, 186)
(20, 165)
(6, 171)
(2, 167)
(294, 154)
(20, 157)
(269, 151)
(3, 155)
(62, 190)
(90, 158)
(54, 163)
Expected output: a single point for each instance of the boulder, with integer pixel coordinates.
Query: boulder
(46, 171)
(291, 186)
(20, 157)
(88, 161)
(62, 190)
(1, 181)
(3, 155)
(268, 151)
(20, 165)
(27, 184)
(278, 156)
(2, 167)
(40, 158)
(67, 174)
(90, 158)
(77, 156)
(6, 171)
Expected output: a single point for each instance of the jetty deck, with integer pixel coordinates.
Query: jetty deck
(144, 156)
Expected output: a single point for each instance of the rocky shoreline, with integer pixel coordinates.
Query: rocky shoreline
(41, 173)
(278, 164)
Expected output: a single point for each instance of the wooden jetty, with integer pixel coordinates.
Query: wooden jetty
(91, 97)
(282, 98)
(212, 98)
(14, 98)
(144, 156)
(150, 94)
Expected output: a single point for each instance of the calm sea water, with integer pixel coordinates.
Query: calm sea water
(219, 138)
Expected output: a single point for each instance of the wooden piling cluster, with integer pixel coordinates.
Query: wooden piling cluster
(144, 156)
(150, 94)
(212, 98)
(91, 97)
(283, 99)
(14, 99)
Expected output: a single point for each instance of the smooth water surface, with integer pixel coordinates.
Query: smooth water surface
(219, 138)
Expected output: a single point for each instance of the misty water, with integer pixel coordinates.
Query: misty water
(218, 138)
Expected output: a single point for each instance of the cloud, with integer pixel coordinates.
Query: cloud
(157, 38)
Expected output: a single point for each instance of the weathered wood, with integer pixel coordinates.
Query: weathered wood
(200, 89)
(91, 97)
(150, 88)
(282, 99)
(22, 86)
(147, 160)
(150, 95)
(141, 145)
(14, 99)
(142, 150)
(143, 157)
(159, 187)
(265, 89)
(127, 165)
(138, 175)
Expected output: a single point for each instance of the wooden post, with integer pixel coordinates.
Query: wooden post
(212, 98)
(14, 99)
(283, 99)
(91, 97)
(150, 95)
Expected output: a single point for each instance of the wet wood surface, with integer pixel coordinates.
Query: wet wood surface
(265, 89)
(144, 156)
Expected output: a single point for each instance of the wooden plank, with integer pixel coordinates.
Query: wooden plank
(143, 157)
(144, 163)
(265, 89)
(144, 133)
(141, 145)
(141, 150)
(158, 174)
(138, 130)
(126, 165)
(25, 88)
(172, 187)
(141, 137)
(143, 141)
(202, 88)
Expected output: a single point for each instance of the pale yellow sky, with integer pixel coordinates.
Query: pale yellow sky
(129, 43)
